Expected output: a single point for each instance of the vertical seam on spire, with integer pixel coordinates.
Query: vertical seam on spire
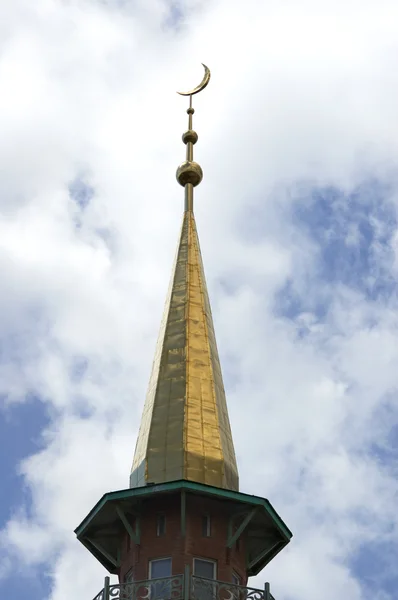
(187, 278)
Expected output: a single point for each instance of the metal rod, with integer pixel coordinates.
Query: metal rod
(106, 588)
(190, 151)
(188, 197)
(267, 593)
(183, 513)
(187, 583)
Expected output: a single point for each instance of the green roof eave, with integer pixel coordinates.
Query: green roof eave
(189, 486)
(99, 556)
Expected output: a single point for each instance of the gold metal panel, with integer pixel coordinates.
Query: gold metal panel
(219, 454)
(185, 431)
(168, 366)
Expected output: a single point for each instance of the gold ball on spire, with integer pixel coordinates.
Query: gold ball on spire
(189, 172)
(190, 137)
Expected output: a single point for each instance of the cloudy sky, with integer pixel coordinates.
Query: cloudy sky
(297, 215)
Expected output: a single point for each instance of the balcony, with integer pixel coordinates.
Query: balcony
(181, 587)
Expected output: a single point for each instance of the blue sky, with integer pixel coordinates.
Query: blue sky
(297, 217)
(20, 436)
(352, 236)
(362, 261)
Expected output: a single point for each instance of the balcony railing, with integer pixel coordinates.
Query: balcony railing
(182, 587)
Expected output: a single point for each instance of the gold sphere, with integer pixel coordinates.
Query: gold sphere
(189, 172)
(190, 136)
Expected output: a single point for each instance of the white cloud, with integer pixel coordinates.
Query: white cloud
(301, 94)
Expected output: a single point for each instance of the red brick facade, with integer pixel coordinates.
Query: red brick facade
(183, 549)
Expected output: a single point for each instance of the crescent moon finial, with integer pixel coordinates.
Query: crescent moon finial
(189, 173)
(202, 84)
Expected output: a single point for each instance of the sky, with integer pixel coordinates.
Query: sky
(297, 217)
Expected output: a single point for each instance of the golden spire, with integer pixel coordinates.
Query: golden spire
(185, 431)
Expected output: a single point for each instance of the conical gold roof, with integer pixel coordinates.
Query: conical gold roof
(185, 431)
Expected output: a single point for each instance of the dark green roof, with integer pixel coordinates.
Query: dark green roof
(100, 531)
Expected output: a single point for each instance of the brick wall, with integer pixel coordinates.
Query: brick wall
(182, 549)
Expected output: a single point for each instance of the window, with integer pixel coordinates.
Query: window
(206, 526)
(160, 525)
(159, 570)
(204, 570)
(236, 592)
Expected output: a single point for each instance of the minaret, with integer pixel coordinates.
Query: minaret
(183, 520)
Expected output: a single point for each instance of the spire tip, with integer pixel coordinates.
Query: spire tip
(189, 173)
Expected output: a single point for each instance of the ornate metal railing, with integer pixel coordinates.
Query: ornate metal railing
(167, 588)
(181, 587)
(212, 589)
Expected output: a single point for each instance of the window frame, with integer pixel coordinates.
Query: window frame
(208, 560)
(156, 590)
(237, 594)
(156, 560)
